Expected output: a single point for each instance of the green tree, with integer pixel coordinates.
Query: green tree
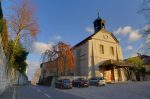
(20, 60)
(148, 72)
(143, 72)
(19, 57)
(23, 26)
(137, 67)
(135, 61)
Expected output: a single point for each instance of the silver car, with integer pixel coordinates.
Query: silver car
(97, 81)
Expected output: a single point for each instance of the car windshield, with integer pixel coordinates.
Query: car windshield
(81, 79)
(101, 78)
(66, 81)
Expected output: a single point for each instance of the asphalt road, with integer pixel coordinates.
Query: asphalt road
(36, 92)
(127, 90)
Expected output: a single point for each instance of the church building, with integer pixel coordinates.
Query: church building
(100, 54)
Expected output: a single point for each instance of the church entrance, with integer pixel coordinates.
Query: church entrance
(113, 71)
(108, 73)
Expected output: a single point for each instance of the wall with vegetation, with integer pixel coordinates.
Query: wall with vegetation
(3, 80)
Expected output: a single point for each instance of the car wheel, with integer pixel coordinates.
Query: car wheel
(97, 84)
(78, 85)
(61, 87)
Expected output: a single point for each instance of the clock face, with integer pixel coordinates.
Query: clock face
(105, 36)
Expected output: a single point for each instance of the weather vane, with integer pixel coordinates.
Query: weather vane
(98, 14)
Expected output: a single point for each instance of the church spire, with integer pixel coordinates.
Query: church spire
(99, 24)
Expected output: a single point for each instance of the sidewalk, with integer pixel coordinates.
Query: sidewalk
(122, 82)
(8, 94)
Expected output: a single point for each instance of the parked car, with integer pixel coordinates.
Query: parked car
(80, 82)
(63, 84)
(97, 81)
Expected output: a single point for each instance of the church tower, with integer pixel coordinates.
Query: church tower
(98, 24)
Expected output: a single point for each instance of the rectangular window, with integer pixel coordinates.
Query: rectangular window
(101, 49)
(112, 51)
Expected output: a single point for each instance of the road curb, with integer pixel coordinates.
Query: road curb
(14, 93)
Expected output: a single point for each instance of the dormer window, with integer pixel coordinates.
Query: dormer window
(103, 25)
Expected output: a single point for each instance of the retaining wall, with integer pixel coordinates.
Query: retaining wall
(4, 81)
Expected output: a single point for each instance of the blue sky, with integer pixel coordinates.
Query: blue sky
(72, 20)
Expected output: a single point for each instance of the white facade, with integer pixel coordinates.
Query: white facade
(89, 57)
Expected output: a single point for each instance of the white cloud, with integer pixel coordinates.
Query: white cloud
(129, 47)
(118, 31)
(134, 55)
(89, 30)
(40, 47)
(133, 34)
(125, 30)
(58, 37)
(32, 66)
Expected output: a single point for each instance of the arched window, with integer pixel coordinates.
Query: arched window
(103, 25)
(112, 51)
(101, 49)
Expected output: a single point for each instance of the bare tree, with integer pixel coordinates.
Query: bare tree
(66, 57)
(145, 11)
(23, 26)
(145, 8)
(61, 57)
(22, 22)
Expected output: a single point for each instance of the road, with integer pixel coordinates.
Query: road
(129, 90)
(36, 92)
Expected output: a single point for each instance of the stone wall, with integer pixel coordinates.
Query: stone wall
(3, 80)
(23, 79)
(6, 79)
